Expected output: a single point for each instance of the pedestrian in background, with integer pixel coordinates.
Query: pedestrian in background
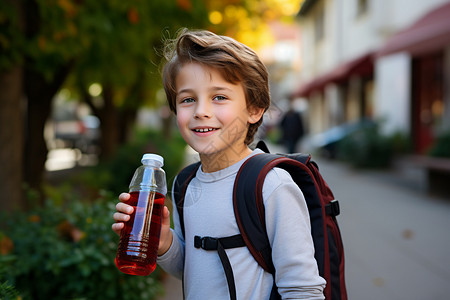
(291, 129)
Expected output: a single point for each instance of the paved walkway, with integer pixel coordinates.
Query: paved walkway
(396, 237)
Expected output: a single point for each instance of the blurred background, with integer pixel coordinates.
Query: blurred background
(81, 99)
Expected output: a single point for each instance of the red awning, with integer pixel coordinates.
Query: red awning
(362, 66)
(429, 33)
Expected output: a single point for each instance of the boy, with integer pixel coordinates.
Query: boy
(218, 90)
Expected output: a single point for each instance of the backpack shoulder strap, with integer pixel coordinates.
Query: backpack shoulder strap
(180, 186)
(249, 207)
(248, 199)
(323, 209)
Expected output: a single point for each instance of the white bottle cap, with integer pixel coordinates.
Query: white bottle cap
(159, 160)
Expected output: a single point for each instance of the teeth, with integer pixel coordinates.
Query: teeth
(203, 129)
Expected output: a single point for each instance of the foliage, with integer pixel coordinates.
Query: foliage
(115, 174)
(7, 290)
(66, 248)
(122, 39)
(66, 251)
(11, 39)
(441, 147)
(249, 21)
(105, 34)
(102, 33)
(172, 149)
(366, 148)
(401, 143)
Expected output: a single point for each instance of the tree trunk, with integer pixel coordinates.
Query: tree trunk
(108, 116)
(129, 111)
(126, 123)
(40, 93)
(12, 103)
(111, 128)
(11, 136)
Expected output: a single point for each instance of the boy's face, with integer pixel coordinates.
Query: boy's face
(212, 114)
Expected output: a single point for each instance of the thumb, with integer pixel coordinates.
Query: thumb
(165, 217)
(166, 234)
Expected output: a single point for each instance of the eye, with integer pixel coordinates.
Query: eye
(220, 98)
(187, 100)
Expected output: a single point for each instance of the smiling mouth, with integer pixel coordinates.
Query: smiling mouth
(204, 129)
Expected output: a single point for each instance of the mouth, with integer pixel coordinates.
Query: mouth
(204, 129)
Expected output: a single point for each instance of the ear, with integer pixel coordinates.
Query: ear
(255, 114)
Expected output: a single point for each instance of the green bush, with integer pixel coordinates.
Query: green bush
(67, 251)
(66, 248)
(7, 290)
(366, 148)
(115, 174)
(441, 147)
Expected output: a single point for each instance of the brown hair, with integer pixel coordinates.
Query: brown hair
(235, 61)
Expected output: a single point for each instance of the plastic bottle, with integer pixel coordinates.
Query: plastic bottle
(139, 239)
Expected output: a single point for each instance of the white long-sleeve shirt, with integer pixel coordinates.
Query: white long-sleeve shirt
(208, 211)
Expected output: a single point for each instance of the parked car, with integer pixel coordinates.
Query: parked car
(81, 133)
(327, 142)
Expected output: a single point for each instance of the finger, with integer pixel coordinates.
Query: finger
(117, 227)
(166, 234)
(123, 197)
(120, 217)
(124, 208)
(166, 217)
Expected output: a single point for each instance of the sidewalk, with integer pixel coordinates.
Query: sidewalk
(172, 286)
(172, 289)
(395, 236)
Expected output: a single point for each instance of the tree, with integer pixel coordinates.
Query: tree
(43, 42)
(248, 21)
(47, 44)
(125, 60)
(11, 107)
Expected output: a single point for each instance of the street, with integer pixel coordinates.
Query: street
(396, 238)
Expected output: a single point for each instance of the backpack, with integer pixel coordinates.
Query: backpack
(249, 212)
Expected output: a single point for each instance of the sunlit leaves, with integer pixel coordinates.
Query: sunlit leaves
(248, 20)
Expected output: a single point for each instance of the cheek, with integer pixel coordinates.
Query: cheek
(237, 116)
(182, 118)
(182, 126)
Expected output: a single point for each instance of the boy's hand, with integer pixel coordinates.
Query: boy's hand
(123, 213)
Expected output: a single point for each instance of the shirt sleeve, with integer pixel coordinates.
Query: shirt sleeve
(173, 260)
(289, 232)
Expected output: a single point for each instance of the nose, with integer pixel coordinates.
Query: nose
(202, 109)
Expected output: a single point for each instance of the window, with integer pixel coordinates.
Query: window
(319, 26)
(362, 7)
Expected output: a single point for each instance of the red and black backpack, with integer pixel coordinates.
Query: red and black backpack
(250, 217)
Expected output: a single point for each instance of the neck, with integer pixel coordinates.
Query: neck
(219, 161)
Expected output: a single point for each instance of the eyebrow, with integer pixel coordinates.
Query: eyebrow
(214, 88)
(184, 91)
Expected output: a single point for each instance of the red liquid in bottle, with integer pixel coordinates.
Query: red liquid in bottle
(139, 240)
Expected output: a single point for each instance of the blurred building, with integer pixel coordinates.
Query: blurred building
(378, 59)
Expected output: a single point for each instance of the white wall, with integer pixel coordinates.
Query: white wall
(348, 36)
(393, 15)
(318, 57)
(392, 92)
(357, 35)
